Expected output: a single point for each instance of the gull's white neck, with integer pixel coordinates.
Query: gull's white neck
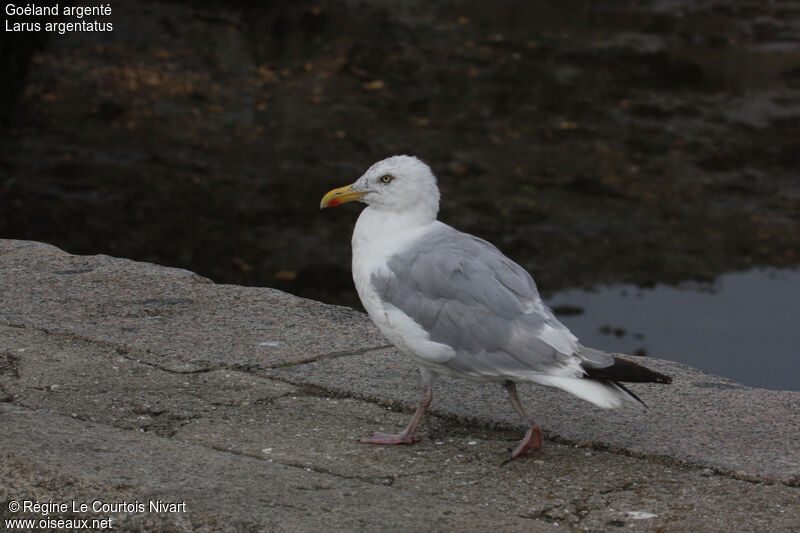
(379, 234)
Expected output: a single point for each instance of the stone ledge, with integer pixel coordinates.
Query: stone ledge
(131, 380)
(171, 315)
(224, 491)
(699, 419)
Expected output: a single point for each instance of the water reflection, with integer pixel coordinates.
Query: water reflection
(743, 326)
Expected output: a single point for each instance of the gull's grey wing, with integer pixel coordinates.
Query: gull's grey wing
(466, 294)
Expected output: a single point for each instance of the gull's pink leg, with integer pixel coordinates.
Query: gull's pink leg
(533, 438)
(407, 436)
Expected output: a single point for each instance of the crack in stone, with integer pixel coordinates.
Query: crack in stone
(123, 350)
(494, 426)
(333, 355)
(292, 464)
(207, 366)
(372, 480)
(473, 422)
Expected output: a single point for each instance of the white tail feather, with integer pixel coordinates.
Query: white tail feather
(601, 393)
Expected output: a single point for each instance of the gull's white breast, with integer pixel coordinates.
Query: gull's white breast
(379, 235)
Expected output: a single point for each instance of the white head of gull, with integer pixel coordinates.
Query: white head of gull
(459, 307)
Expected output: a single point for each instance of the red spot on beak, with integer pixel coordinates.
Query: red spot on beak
(334, 203)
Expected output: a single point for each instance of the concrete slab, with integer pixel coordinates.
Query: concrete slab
(172, 316)
(700, 418)
(219, 491)
(77, 378)
(459, 468)
(89, 410)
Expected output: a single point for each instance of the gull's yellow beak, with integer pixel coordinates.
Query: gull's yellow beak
(340, 196)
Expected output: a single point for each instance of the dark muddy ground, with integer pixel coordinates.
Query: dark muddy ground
(623, 141)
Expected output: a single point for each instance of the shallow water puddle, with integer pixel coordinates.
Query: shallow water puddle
(744, 326)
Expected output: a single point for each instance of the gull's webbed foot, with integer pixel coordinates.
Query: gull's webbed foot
(407, 436)
(532, 441)
(385, 438)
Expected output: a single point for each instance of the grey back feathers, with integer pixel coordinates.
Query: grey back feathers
(466, 294)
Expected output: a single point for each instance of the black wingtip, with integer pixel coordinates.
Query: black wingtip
(627, 371)
(664, 379)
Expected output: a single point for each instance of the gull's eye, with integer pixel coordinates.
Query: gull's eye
(387, 178)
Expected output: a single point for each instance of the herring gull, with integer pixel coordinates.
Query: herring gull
(459, 307)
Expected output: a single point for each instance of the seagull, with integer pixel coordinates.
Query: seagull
(459, 307)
